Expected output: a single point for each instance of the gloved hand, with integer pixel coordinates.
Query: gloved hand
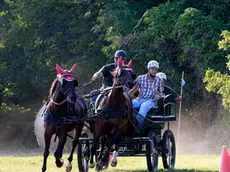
(93, 78)
(113, 73)
(178, 99)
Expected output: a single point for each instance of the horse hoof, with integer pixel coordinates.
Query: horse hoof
(113, 164)
(68, 169)
(59, 163)
(98, 167)
(91, 165)
(68, 166)
(106, 166)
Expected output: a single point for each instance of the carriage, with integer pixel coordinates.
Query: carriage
(153, 140)
(111, 116)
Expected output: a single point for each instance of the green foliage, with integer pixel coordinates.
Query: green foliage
(4, 109)
(198, 36)
(41, 34)
(37, 34)
(219, 9)
(224, 44)
(182, 35)
(177, 36)
(180, 38)
(217, 82)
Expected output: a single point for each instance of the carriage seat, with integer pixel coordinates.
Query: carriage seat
(163, 110)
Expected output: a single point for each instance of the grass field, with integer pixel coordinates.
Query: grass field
(184, 163)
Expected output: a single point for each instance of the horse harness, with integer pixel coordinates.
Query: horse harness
(70, 118)
(112, 113)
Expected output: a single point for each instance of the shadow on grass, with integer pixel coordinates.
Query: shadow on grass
(178, 170)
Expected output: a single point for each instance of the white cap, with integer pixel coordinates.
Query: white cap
(153, 64)
(161, 75)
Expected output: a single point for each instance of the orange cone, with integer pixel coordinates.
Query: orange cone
(225, 160)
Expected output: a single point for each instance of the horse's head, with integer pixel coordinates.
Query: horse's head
(66, 84)
(124, 75)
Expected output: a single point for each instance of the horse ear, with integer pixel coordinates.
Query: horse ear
(73, 69)
(130, 64)
(120, 62)
(60, 70)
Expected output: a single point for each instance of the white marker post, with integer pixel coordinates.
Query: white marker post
(180, 106)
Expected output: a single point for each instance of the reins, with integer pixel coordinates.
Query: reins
(80, 87)
(63, 101)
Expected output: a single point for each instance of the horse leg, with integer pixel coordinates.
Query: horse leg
(105, 159)
(115, 154)
(96, 135)
(74, 144)
(93, 151)
(47, 137)
(58, 153)
(103, 141)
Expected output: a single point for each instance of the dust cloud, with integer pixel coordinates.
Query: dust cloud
(196, 136)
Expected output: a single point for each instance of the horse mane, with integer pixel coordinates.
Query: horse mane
(53, 87)
(114, 92)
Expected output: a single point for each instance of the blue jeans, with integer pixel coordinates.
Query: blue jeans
(94, 98)
(145, 105)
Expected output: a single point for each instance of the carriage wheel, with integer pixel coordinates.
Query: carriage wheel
(83, 155)
(152, 152)
(168, 150)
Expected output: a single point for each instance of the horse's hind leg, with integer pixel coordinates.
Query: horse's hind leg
(58, 153)
(74, 144)
(93, 151)
(96, 135)
(47, 137)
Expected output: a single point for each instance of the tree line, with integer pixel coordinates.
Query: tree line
(183, 35)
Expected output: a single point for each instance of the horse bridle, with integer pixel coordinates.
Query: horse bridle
(119, 71)
(62, 91)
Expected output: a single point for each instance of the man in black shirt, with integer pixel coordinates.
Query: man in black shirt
(107, 71)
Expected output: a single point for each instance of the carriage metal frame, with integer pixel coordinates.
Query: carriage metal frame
(149, 142)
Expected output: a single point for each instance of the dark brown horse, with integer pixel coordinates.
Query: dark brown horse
(66, 112)
(114, 116)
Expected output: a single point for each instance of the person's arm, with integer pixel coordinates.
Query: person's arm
(98, 74)
(174, 93)
(171, 91)
(160, 90)
(135, 89)
(178, 99)
(161, 87)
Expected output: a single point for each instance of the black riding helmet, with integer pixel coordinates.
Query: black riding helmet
(120, 53)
